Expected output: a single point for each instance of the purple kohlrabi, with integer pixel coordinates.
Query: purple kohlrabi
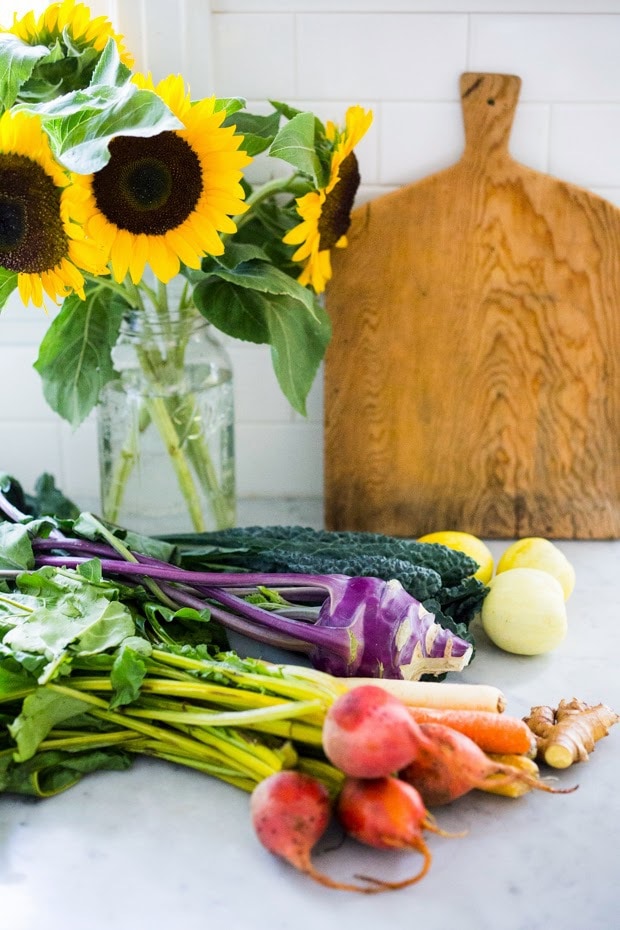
(391, 634)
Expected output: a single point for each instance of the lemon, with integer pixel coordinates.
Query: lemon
(537, 552)
(470, 545)
(524, 611)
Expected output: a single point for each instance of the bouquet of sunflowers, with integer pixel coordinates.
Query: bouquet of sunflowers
(114, 187)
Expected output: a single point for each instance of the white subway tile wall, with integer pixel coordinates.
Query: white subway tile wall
(403, 59)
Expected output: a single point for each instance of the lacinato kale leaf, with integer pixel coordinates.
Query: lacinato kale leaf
(254, 546)
(428, 571)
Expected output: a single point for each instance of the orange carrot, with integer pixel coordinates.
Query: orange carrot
(491, 732)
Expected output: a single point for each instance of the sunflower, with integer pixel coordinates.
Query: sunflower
(326, 212)
(38, 240)
(164, 199)
(82, 31)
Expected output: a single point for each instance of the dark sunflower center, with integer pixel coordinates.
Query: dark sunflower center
(149, 185)
(32, 236)
(335, 216)
(12, 224)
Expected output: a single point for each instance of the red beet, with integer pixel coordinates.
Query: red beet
(290, 812)
(386, 813)
(368, 733)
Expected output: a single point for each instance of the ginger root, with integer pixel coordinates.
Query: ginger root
(569, 732)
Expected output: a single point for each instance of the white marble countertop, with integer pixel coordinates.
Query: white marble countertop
(165, 848)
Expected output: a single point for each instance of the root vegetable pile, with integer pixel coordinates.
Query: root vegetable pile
(394, 769)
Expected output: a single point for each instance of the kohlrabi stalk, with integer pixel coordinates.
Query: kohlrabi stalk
(364, 627)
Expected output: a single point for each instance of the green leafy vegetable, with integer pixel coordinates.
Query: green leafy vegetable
(15, 547)
(94, 670)
(438, 576)
(41, 711)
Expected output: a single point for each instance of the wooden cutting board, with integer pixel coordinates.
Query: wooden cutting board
(473, 379)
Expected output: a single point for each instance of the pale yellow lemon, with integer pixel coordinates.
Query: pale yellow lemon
(524, 611)
(537, 552)
(470, 545)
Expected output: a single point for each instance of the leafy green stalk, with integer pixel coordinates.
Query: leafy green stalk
(80, 691)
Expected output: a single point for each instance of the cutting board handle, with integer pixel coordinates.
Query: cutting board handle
(489, 102)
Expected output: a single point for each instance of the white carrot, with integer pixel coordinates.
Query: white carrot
(438, 694)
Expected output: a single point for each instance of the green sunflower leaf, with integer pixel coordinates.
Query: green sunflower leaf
(289, 112)
(288, 317)
(238, 252)
(81, 125)
(263, 276)
(8, 283)
(298, 343)
(75, 360)
(110, 69)
(230, 104)
(285, 109)
(17, 62)
(234, 310)
(63, 69)
(296, 144)
(258, 131)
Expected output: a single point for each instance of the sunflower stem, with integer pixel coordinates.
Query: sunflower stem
(276, 186)
(123, 468)
(200, 457)
(160, 416)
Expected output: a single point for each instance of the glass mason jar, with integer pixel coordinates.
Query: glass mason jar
(166, 427)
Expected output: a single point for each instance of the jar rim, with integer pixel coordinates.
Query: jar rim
(134, 320)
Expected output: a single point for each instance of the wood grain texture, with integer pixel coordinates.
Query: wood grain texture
(473, 378)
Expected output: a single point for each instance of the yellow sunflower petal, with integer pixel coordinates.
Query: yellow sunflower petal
(70, 275)
(73, 275)
(186, 252)
(101, 231)
(306, 249)
(87, 255)
(216, 218)
(297, 234)
(36, 289)
(208, 237)
(120, 254)
(53, 286)
(321, 271)
(24, 287)
(139, 257)
(164, 262)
